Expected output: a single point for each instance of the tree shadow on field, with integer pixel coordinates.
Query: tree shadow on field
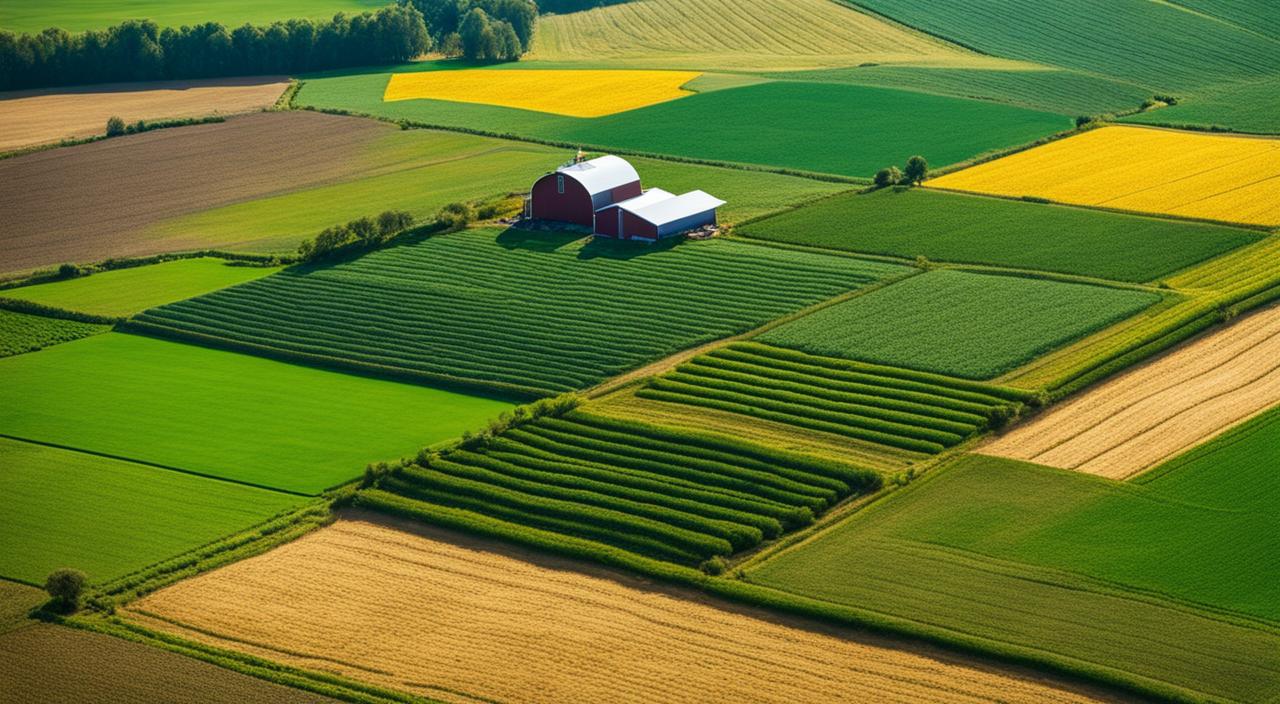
(552, 240)
(536, 240)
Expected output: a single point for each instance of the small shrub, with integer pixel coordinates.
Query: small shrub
(65, 585)
(887, 177)
(457, 215)
(393, 221)
(714, 566)
(922, 262)
(115, 126)
(69, 271)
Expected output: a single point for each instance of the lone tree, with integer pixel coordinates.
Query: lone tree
(888, 177)
(115, 126)
(65, 586)
(916, 171)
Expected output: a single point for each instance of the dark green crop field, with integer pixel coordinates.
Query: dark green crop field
(971, 229)
(676, 496)
(20, 332)
(108, 517)
(898, 408)
(841, 129)
(223, 414)
(1170, 577)
(531, 313)
(973, 326)
(1158, 45)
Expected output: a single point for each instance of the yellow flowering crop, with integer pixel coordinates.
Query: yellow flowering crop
(1219, 177)
(587, 93)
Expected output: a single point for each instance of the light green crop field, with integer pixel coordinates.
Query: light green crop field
(78, 15)
(530, 313)
(20, 332)
(781, 124)
(1245, 107)
(109, 517)
(973, 326)
(123, 292)
(1170, 577)
(223, 414)
(975, 230)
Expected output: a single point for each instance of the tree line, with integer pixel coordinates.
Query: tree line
(140, 50)
(480, 30)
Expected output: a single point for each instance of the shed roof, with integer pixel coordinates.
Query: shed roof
(666, 210)
(649, 197)
(601, 174)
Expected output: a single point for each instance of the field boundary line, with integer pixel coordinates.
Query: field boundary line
(156, 465)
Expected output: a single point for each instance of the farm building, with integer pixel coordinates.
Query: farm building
(605, 195)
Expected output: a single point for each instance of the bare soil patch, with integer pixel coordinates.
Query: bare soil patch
(1160, 409)
(44, 664)
(94, 201)
(460, 619)
(34, 117)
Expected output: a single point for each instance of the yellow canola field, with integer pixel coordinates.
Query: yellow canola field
(585, 93)
(1217, 177)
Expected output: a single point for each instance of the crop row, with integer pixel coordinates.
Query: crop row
(530, 315)
(900, 408)
(672, 495)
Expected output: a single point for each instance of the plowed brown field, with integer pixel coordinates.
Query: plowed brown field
(94, 201)
(39, 116)
(442, 615)
(1159, 409)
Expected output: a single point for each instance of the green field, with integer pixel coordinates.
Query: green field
(123, 292)
(975, 230)
(531, 313)
(674, 496)
(1063, 91)
(791, 125)
(20, 332)
(108, 517)
(973, 326)
(1156, 44)
(898, 408)
(1170, 577)
(1244, 107)
(223, 414)
(78, 15)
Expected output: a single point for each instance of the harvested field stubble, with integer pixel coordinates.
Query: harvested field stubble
(503, 627)
(1155, 411)
(39, 116)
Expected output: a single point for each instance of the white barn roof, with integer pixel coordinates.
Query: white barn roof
(665, 210)
(601, 174)
(649, 197)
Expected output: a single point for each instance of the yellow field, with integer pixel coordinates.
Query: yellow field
(464, 620)
(1218, 177)
(586, 93)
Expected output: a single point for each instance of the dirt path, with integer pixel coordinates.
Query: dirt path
(1160, 409)
(448, 616)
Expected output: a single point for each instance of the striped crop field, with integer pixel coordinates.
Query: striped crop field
(577, 93)
(525, 313)
(1194, 175)
(20, 332)
(898, 408)
(974, 326)
(672, 495)
(739, 34)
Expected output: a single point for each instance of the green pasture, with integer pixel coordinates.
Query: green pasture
(1182, 560)
(109, 517)
(223, 414)
(1245, 107)
(31, 16)
(1159, 45)
(531, 313)
(976, 230)
(123, 292)
(973, 326)
(841, 129)
(20, 332)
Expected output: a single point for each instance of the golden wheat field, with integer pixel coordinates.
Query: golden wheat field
(1195, 175)
(576, 93)
(1157, 410)
(458, 619)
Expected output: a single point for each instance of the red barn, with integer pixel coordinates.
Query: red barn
(574, 193)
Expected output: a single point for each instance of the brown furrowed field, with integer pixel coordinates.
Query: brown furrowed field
(43, 664)
(434, 613)
(33, 117)
(1152, 412)
(93, 201)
